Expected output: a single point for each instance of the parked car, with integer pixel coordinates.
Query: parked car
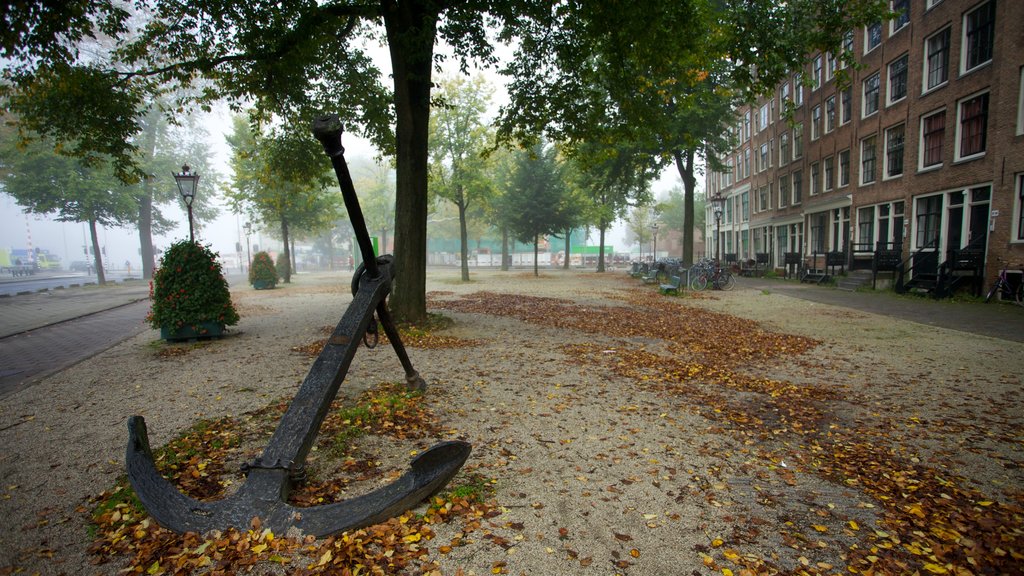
(82, 266)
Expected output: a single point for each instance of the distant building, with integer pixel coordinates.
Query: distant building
(922, 154)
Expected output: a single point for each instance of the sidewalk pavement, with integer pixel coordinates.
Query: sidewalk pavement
(996, 319)
(25, 312)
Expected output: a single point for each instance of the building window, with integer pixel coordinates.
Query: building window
(746, 162)
(972, 126)
(933, 133)
(745, 207)
(844, 168)
(847, 55)
(902, 9)
(846, 104)
(746, 126)
(830, 114)
(798, 141)
(929, 4)
(872, 37)
(771, 152)
(816, 73)
(898, 79)
(798, 195)
(784, 149)
(762, 117)
(894, 139)
(783, 96)
(828, 173)
(1020, 104)
(1019, 209)
(815, 179)
(979, 35)
(816, 123)
(936, 58)
(929, 215)
(866, 228)
(830, 66)
(762, 199)
(871, 87)
(798, 91)
(762, 158)
(867, 160)
(784, 191)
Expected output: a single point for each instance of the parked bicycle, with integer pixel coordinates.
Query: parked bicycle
(1006, 290)
(705, 272)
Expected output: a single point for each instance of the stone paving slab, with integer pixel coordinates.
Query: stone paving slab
(26, 312)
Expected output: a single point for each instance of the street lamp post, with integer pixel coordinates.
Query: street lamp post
(717, 205)
(187, 183)
(654, 227)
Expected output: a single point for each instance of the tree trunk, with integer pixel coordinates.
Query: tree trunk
(411, 30)
(463, 240)
(291, 259)
(287, 253)
(101, 278)
(148, 149)
(568, 241)
(685, 168)
(600, 252)
(536, 251)
(505, 256)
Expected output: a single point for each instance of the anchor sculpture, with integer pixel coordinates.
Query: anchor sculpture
(264, 494)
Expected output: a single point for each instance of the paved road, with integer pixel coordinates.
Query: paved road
(28, 356)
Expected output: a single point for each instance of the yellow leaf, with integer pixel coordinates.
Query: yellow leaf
(985, 503)
(716, 542)
(935, 568)
(726, 572)
(731, 554)
(325, 558)
(853, 525)
(820, 528)
(634, 553)
(258, 548)
(154, 569)
(414, 537)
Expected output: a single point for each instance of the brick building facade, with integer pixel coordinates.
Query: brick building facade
(921, 151)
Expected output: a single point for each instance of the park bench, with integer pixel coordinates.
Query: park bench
(270, 477)
(651, 276)
(672, 286)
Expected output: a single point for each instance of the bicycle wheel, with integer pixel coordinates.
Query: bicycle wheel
(992, 291)
(726, 281)
(1018, 294)
(699, 282)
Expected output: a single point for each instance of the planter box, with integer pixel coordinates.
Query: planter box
(263, 284)
(190, 332)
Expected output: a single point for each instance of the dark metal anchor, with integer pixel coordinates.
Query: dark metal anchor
(271, 477)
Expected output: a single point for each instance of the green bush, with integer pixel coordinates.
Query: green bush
(282, 266)
(189, 289)
(262, 270)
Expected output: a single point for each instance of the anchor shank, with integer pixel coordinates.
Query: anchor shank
(299, 426)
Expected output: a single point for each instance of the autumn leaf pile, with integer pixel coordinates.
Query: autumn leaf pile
(195, 462)
(931, 522)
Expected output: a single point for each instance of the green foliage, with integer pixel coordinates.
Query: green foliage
(263, 270)
(282, 266)
(189, 289)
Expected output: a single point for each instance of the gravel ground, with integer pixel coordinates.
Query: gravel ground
(595, 471)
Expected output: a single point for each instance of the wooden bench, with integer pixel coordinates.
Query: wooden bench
(651, 277)
(672, 287)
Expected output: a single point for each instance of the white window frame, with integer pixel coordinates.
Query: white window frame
(892, 23)
(906, 80)
(815, 179)
(784, 148)
(929, 4)
(831, 65)
(826, 178)
(956, 135)
(763, 117)
(796, 187)
(816, 73)
(860, 163)
(963, 41)
(924, 60)
(921, 143)
(816, 121)
(798, 92)
(798, 141)
(1017, 225)
(864, 95)
(839, 168)
(885, 153)
(1020, 104)
(867, 35)
(830, 126)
